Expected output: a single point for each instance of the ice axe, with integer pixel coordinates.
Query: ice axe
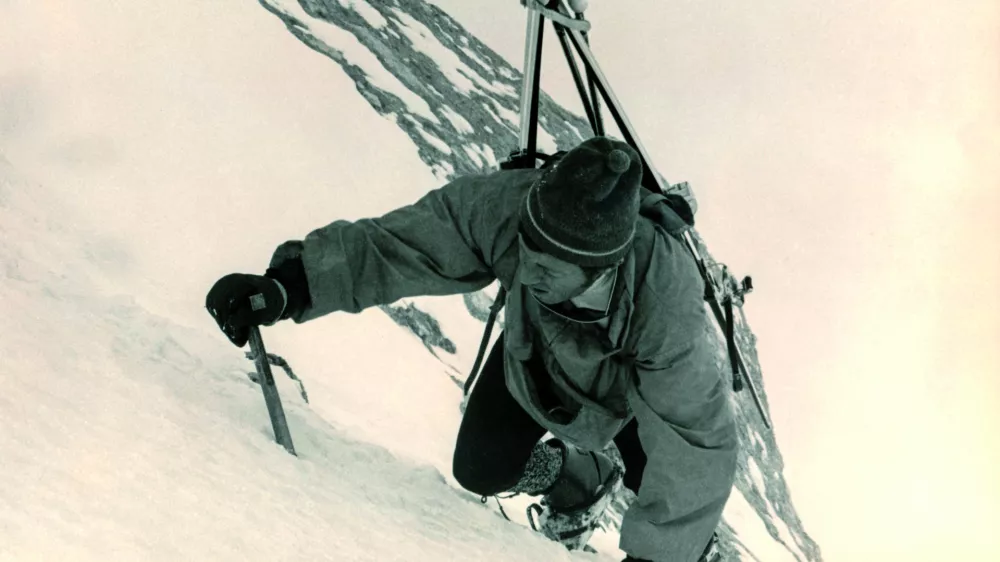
(271, 398)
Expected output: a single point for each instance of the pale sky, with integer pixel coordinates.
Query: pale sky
(844, 154)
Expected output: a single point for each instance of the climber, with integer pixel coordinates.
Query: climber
(606, 339)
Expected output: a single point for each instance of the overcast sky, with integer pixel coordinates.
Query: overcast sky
(845, 154)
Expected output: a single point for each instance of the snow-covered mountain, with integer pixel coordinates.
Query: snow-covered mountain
(131, 433)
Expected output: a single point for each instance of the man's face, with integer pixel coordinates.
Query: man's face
(549, 279)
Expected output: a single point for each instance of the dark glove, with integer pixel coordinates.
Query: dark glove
(239, 301)
(630, 559)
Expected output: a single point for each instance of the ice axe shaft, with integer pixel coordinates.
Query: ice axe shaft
(271, 398)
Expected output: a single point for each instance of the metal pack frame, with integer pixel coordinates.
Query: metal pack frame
(571, 30)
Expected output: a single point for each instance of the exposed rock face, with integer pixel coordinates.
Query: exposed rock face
(423, 325)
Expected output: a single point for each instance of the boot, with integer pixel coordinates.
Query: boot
(571, 508)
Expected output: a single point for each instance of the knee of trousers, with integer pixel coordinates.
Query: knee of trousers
(483, 476)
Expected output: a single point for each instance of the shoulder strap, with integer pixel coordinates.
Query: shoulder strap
(660, 209)
(670, 212)
(643, 247)
(498, 303)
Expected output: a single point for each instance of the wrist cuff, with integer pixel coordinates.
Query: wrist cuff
(291, 277)
(284, 302)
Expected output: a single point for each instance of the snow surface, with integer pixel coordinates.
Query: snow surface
(461, 124)
(462, 76)
(474, 56)
(508, 115)
(784, 532)
(752, 533)
(129, 436)
(471, 153)
(546, 142)
(756, 475)
(431, 139)
(131, 430)
(487, 153)
(482, 155)
(365, 10)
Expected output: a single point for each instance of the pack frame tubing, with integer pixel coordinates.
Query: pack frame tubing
(628, 131)
(655, 182)
(576, 37)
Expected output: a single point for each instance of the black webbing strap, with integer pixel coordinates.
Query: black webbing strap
(731, 345)
(494, 311)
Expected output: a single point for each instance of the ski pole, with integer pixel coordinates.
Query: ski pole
(271, 398)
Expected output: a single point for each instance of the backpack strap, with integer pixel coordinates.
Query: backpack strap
(669, 214)
(517, 160)
(521, 159)
(498, 303)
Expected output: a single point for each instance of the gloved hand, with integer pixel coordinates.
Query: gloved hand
(239, 301)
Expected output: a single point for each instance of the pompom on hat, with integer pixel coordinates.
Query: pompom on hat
(584, 209)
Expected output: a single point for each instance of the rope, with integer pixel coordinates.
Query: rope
(279, 361)
(485, 499)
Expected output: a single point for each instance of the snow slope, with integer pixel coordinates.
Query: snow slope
(128, 436)
(131, 430)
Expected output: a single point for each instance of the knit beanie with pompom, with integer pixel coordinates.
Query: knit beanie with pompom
(584, 209)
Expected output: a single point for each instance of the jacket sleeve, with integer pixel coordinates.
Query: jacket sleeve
(685, 421)
(440, 245)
